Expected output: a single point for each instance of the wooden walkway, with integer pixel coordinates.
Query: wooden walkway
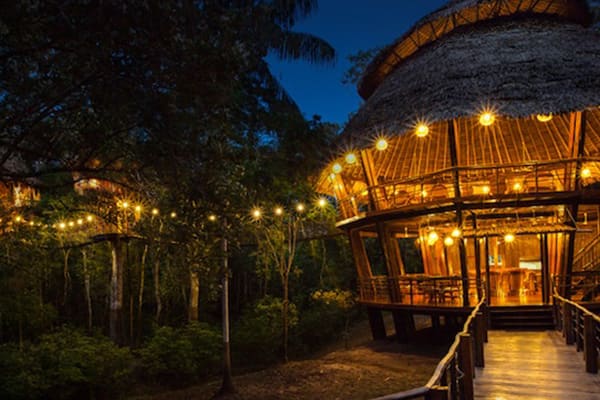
(533, 366)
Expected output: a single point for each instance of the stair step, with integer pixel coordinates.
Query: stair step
(522, 317)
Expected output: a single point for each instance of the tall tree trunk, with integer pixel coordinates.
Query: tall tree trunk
(227, 383)
(285, 308)
(116, 292)
(66, 277)
(194, 296)
(141, 294)
(88, 297)
(156, 276)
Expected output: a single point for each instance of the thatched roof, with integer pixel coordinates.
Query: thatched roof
(520, 66)
(457, 14)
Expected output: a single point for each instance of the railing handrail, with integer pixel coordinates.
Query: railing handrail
(436, 377)
(584, 310)
(581, 253)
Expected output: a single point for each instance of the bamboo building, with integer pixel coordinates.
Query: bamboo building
(473, 166)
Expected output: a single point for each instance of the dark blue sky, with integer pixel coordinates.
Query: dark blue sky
(348, 25)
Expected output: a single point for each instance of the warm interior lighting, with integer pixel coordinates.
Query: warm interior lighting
(456, 233)
(322, 202)
(448, 241)
(155, 211)
(62, 225)
(586, 173)
(485, 189)
(138, 209)
(278, 211)
(517, 187)
(509, 238)
(212, 217)
(487, 118)
(256, 213)
(80, 221)
(31, 223)
(381, 144)
(71, 224)
(89, 218)
(350, 158)
(544, 117)
(300, 207)
(18, 218)
(424, 193)
(336, 168)
(432, 238)
(173, 214)
(422, 130)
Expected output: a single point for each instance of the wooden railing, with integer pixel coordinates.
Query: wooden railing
(480, 182)
(453, 377)
(580, 327)
(588, 258)
(583, 286)
(418, 290)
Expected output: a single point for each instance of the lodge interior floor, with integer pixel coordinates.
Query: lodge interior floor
(533, 366)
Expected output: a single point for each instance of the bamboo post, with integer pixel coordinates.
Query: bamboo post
(466, 366)
(479, 340)
(589, 344)
(568, 324)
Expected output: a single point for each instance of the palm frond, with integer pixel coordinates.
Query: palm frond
(303, 46)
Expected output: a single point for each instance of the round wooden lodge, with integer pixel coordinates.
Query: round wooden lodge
(473, 166)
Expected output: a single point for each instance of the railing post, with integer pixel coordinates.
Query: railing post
(437, 393)
(578, 330)
(568, 324)
(452, 385)
(466, 366)
(589, 344)
(479, 339)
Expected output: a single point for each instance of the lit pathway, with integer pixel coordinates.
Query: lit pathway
(533, 366)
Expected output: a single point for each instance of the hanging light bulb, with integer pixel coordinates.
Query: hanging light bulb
(381, 144)
(456, 233)
(422, 130)
(487, 118)
(322, 202)
(485, 189)
(155, 211)
(509, 238)
(300, 207)
(448, 241)
(212, 217)
(586, 173)
(336, 168)
(278, 211)
(350, 158)
(256, 213)
(432, 238)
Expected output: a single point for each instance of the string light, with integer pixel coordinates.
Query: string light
(212, 217)
(62, 225)
(300, 207)
(278, 211)
(422, 130)
(138, 208)
(322, 202)
(89, 218)
(509, 238)
(155, 211)
(256, 213)
(432, 238)
(125, 204)
(80, 221)
(336, 168)
(173, 214)
(517, 187)
(485, 189)
(448, 241)
(456, 233)
(586, 173)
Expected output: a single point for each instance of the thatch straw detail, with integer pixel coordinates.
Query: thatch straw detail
(457, 14)
(520, 67)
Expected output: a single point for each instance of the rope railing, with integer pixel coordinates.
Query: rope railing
(454, 374)
(580, 327)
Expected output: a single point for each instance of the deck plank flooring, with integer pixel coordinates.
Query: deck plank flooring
(533, 366)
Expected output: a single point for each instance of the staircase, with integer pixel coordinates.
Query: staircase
(522, 318)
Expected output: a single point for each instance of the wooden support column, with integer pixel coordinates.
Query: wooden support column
(459, 215)
(577, 146)
(546, 284)
(404, 325)
(391, 262)
(376, 323)
(487, 271)
(477, 258)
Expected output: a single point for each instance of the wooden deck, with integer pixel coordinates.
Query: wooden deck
(533, 366)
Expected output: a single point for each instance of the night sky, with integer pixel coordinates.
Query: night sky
(348, 25)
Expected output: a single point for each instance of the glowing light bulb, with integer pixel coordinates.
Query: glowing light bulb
(300, 207)
(71, 224)
(544, 117)
(456, 233)
(322, 202)
(138, 209)
(80, 221)
(173, 214)
(336, 168)
(212, 217)
(448, 241)
(422, 130)
(485, 189)
(256, 213)
(125, 204)
(89, 218)
(278, 211)
(586, 173)
(432, 238)
(155, 211)
(350, 158)
(509, 238)
(517, 187)
(62, 225)
(381, 144)
(18, 218)
(487, 118)
(31, 223)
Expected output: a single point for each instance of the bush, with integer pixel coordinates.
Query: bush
(66, 364)
(180, 356)
(258, 334)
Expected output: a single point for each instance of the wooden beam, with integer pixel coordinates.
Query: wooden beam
(366, 161)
